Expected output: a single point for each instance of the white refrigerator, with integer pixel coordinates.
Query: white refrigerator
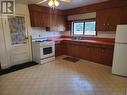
(120, 51)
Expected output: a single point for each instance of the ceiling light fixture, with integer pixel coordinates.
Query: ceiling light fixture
(53, 3)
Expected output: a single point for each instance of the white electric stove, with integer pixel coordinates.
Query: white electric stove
(43, 51)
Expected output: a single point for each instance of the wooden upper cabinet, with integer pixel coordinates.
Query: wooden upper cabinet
(57, 23)
(45, 20)
(68, 25)
(39, 19)
(114, 18)
(39, 16)
(108, 19)
(42, 17)
(33, 20)
(101, 20)
(124, 15)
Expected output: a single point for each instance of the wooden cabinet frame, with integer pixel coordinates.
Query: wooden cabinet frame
(102, 54)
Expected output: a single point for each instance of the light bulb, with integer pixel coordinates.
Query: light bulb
(56, 3)
(51, 3)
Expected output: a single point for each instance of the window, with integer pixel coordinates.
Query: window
(85, 28)
(78, 28)
(17, 29)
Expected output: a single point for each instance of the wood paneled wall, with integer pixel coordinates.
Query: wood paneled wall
(34, 7)
(95, 7)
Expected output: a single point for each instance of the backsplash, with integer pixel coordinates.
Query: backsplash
(110, 34)
(101, 34)
(42, 32)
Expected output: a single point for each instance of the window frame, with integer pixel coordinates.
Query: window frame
(73, 27)
(84, 21)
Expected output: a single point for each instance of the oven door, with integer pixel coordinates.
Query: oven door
(47, 51)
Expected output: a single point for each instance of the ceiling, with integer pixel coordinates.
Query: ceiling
(72, 4)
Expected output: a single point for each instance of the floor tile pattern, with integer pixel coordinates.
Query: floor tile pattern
(61, 77)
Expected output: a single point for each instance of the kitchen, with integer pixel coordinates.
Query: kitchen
(78, 43)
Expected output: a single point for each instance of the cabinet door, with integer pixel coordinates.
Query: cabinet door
(57, 23)
(46, 20)
(114, 18)
(84, 52)
(58, 50)
(53, 24)
(102, 55)
(64, 47)
(95, 54)
(68, 25)
(36, 21)
(39, 19)
(107, 56)
(124, 15)
(73, 50)
(108, 19)
(101, 20)
(60, 23)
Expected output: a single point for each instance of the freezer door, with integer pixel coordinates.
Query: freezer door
(121, 34)
(120, 60)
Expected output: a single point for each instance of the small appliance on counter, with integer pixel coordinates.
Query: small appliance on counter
(43, 50)
(120, 51)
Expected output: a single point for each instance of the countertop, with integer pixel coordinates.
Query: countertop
(96, 42)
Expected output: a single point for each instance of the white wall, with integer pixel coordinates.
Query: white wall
(43, 32)
(110, 34)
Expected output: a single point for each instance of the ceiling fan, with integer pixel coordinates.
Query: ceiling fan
(53, 3)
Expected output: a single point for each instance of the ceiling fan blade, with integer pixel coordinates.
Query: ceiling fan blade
(68, 1)
(41, 1)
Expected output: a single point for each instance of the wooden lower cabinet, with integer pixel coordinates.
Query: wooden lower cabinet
(107, 56)
(58, 49)
(73, 50)
(84, 52)
(95, 53)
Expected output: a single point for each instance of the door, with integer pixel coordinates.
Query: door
(120, 60)
(16, 40)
